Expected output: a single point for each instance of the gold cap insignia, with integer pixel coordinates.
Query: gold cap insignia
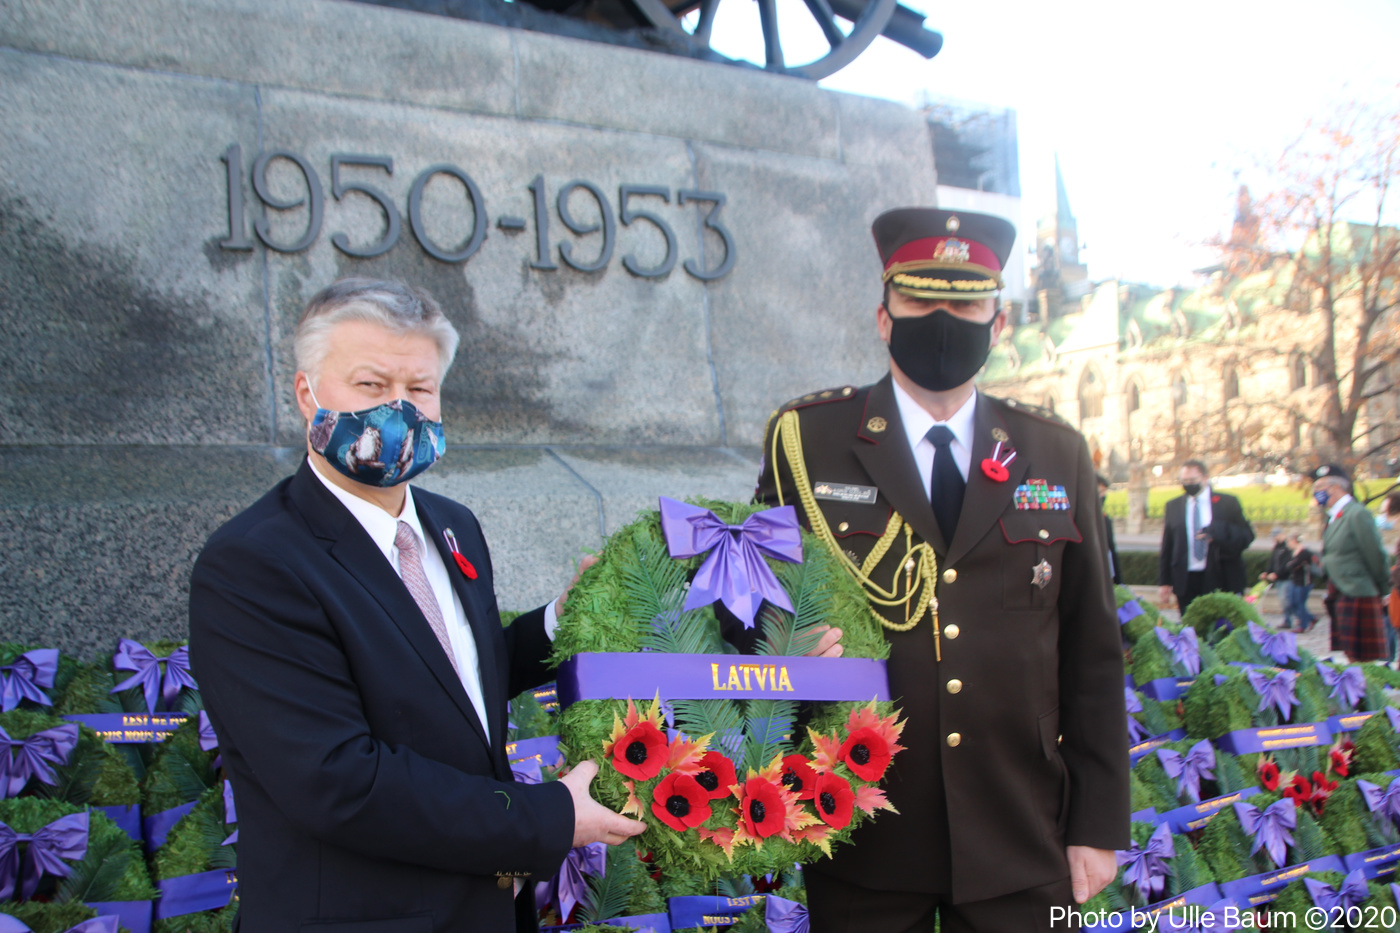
(999, 435)
(876, 425)
(953, 224)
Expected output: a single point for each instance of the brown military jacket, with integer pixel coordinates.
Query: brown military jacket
(1016, 741)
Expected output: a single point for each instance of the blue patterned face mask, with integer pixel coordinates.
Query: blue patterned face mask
(380, 446)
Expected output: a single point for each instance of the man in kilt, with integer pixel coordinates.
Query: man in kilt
(1353, 560)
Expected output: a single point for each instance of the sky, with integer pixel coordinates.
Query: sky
(1157, 112)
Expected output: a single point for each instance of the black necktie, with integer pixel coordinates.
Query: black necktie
(946, 489)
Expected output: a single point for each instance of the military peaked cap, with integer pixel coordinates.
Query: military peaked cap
(1331, 469)
(931, 253)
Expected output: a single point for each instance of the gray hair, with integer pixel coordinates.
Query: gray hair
(394, 306)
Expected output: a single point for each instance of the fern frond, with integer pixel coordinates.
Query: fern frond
(720, 717)
(609, 893)
(99, 875)
(769, 723)
(809, 585)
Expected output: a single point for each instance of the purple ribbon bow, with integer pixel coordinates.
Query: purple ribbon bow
(208, 741)
(107, 923)
(1185, 648)
(1136, 731)
(64, 838)
(1281, 646)
(735, 573)
(1270, 828)
(27, 678)
(134, 656)
(527, 771)
(1385, 802)
(230, 814)
(1275, 691)
(1353, 892)
(1147, 868)
(1188, 769)
(21, 759)
(1348, 684)
(785, 916)
(571, 883)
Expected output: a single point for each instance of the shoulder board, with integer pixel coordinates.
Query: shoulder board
(838, 394)
(1034, 411)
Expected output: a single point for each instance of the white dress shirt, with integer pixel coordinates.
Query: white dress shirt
(382, 527)
(1203, 497)
(917, 422)
(1335, 508)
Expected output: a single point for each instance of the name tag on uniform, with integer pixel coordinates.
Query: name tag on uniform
(843, 492)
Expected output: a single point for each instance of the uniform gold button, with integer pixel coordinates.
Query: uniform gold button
(846, 391)
(955, 686)
(950, 575)
(954, 739)
(843, 526)
(1044, 534)
(952, 631)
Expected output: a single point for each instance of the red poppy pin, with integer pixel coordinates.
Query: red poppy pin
(462, 563)
(1214, 499)
(995, 466)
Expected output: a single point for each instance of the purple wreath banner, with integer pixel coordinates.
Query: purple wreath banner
(643, 675)
(1166, 688)
(1373, 862)
(1249, 741)
(544, 749)
(709, 911)
(1347, 722)
(1194, 816)
(130, 728)
(642, 923)
(157, 826)
(1151, 745)
(190, 894)
(135, 915)
(1261, 889)
(128, 819)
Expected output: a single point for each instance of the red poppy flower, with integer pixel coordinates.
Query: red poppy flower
(762, 808)
(799, 777)
(1299, 791)
(1339, 763)
(716, 775)
(834, 799)
(680, 802)
(641, 752)
(1268, 774)
(995, 471)
(866, 753)
(465, 565)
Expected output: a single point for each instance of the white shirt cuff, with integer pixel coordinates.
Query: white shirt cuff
(551, 620)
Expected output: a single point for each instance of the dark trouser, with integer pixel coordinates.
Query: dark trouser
(841, 907)
(1195, 586)
(1297, 604)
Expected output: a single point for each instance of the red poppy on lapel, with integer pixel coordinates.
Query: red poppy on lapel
(995, 466)
(462, 563)
(1214, 499)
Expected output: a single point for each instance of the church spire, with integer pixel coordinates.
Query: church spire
(1065, 215)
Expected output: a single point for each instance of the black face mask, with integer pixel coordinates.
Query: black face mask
(939, 351)
(1192, 489)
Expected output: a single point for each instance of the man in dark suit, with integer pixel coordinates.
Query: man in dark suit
(1013, 788)
(345, 634)
(1204, 537)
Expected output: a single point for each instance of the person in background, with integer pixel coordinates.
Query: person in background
(1389, 512)
(1204, 536)
(1299, 570)
(1114, 566)
(1353, 560)
(1276, 573)
(1391, 509)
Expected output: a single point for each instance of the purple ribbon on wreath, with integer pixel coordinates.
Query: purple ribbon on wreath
(21, 759)
(1348, 684)
(527, 771)
(208, 741)
(107, 923)
(785, 916)
(1352, 893)
(1270, 828)
(27, 677)
(64, 838)
(1145, 868)
(1184, 646)
(1136, 731)
(230, 814)
(134, 656)
(1277, 691)
(1217, 923)
(1281, 646)
(571, 884)
(1188, 769)
(1385, 803)
(735, 572)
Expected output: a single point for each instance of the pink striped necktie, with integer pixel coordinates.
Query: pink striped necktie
(411, 570)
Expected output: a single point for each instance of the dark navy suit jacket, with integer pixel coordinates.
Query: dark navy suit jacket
(369, 798)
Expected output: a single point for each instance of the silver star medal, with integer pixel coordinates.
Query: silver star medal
(1041, 573)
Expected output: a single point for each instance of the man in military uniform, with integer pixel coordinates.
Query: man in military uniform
(973, 524)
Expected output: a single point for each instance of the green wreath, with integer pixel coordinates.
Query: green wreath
(738, 789)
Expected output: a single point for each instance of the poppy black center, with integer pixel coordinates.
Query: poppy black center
(677, 806)
(828, 803)
(793, 780)
(707, 779)
(637, 753)
(757, 811)
(859, 754)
